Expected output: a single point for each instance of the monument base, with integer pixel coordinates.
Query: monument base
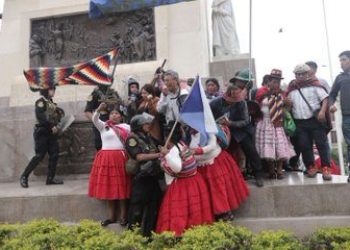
(227, 66)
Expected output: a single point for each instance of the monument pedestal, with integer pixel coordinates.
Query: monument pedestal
(227, 66)
(76, 151)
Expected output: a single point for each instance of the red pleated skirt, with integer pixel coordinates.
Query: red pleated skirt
(186, 203)
(226, 184)
(108, 179)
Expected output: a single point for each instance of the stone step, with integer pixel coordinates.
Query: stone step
(68, 202)
(297, 195)
(296, 203)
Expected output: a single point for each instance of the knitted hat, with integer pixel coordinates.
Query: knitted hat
(301, 68)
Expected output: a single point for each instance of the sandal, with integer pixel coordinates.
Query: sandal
(107, 222)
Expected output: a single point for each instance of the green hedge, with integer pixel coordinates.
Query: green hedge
(330, 238)
(49, 234)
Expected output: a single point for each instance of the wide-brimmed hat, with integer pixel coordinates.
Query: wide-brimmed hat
(243, 75)
(276, 73)
(301, 68)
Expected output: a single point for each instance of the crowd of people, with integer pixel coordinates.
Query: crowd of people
(158, 173)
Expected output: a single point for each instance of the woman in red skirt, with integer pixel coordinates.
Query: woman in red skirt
(186, 202)
(108, 179)
(226, 184)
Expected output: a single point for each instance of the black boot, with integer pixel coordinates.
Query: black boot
(259, 182)
(349, 178)
(23, 181)
(53, 181)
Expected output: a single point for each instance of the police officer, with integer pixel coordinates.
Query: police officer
(134, 98)
(101, 93)
(48, 116)
(146, 193)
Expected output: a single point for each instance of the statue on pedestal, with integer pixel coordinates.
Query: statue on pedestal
(225, 39)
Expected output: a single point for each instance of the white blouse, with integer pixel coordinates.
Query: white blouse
(210, 151)
(109, 138)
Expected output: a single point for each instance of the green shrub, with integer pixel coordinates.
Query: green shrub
(327, 238)
(6, 231)
(165, 241)
(276, 240)
(217, 236)
(342, 246)
(131, 240)
(49, 234)
(87, 230)
(41, 234)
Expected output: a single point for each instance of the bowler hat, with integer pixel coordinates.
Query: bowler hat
(276, 73)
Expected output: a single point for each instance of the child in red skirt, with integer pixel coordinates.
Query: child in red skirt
(226, 184)
(186, 202)
(108, 179)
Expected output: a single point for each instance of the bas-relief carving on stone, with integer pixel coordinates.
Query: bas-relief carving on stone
(63, 41)
(77, 151)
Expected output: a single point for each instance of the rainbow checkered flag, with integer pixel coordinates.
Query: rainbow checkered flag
(94, 72)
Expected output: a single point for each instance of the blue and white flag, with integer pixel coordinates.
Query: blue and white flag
(100, 8)
(196, 112)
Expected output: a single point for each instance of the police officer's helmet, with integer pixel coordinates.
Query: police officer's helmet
(138, 121)
(45, 92)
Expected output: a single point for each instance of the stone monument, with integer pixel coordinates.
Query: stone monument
(59, 33)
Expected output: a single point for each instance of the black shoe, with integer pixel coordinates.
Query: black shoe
(349, 178)
(123, 223)
(288, 169)
(23, 181)
(53, 181)
(107, 222)
(259, 181)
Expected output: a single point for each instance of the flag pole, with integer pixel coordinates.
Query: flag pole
(177, 119)
(250, 49)
(171, 133)
(115, 66)
(250, 37)
(337, 117)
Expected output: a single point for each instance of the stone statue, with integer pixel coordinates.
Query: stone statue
(225, 40)
(142, 43)
(36, 51)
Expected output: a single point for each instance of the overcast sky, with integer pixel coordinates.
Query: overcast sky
(303, 34)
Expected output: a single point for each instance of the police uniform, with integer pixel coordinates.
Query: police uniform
(93, 102)
(145, 191)
(48, 115)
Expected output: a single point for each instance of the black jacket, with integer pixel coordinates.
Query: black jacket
(342, 84)
(238, 116)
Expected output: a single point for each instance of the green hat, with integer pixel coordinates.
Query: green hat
(243, 75)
